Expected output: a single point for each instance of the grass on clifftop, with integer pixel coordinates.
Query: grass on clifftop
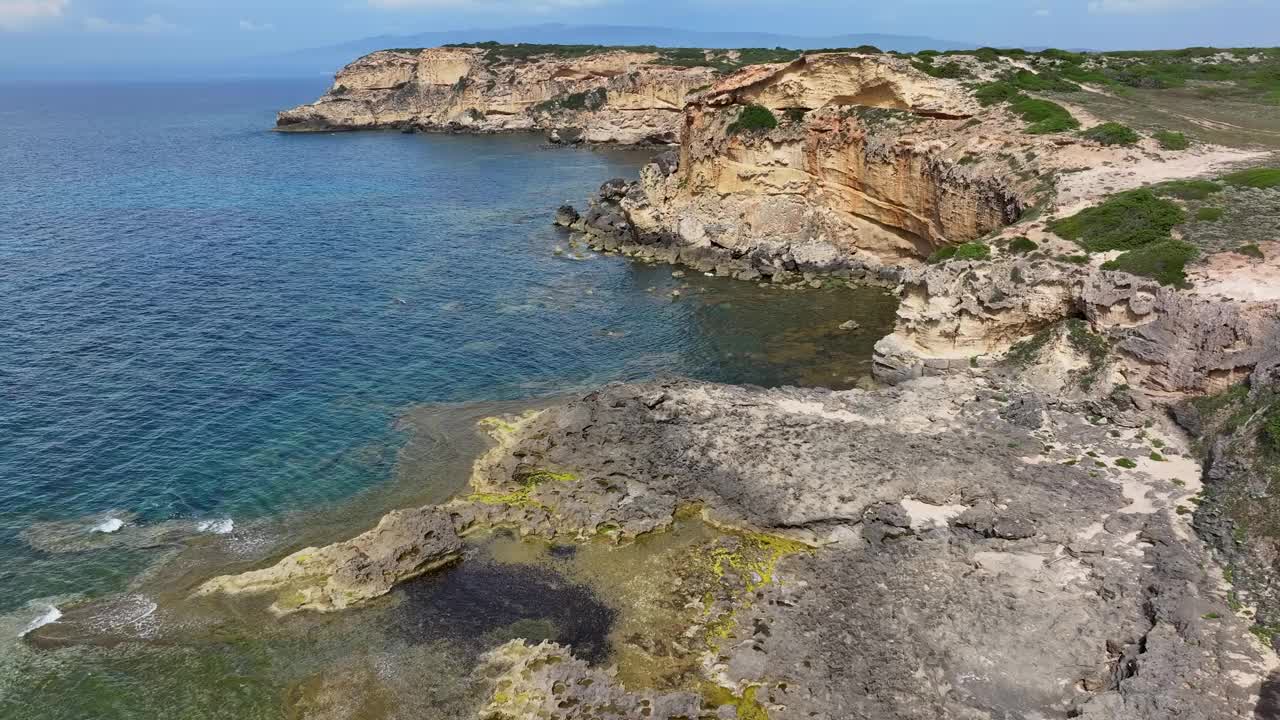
(1126, 221)
(753, 118)
(1042, 116)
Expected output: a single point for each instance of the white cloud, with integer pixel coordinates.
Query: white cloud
(18, 15)
(1043, 12)
(150, 25)
(531, 5)
(1136, 7)
(251, 26)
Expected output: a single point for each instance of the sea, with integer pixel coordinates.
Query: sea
(219, 343)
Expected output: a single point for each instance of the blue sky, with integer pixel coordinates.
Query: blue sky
(156, 32)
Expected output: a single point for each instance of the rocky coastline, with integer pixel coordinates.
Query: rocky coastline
(1055, 506)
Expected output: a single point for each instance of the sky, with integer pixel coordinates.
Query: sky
(35, 33)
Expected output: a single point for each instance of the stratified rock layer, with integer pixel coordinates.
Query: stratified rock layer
(609, 97)
(1170, 342)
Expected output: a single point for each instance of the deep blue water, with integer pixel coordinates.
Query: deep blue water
(203, 319)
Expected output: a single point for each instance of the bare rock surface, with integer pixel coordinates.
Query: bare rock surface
(1169, 342)
(966, 565)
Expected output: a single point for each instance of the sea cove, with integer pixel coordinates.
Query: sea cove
(223, 344)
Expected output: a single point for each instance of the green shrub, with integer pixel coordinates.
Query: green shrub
(1256, 178)
(753, 118)
(1165, 262)
(1043, 116)
(995, 93)
(1022, 244)
(1209, 214)
(1251, 250)
(1170, 140)
(967, 251)
(1125, 221)
(972, 251)
(1126, 463)
(1043, 81)
(1111, 134)
(1187, 189)
(942, 254)
(945, 71)
(987, 54)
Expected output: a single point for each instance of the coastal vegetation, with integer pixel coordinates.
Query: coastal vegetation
(1111, 133)
(753, 118)
(1258, 178)
(1022, 244)
(1125, 221)
(1170, 140)
(967, 251)
(1163, 261)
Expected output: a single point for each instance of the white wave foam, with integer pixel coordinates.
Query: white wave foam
(109, 525)
(50, 616)
(217, 527)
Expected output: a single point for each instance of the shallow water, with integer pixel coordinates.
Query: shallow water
(219, 341)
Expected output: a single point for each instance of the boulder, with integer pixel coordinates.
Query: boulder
(405, 544)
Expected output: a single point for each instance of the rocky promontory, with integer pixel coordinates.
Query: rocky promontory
(606, 96)
(956, 547)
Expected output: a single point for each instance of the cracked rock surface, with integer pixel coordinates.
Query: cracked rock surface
(967, 566)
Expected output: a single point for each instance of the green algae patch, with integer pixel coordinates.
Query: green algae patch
(757, 557)
(747, 564)
(523, 496)
(746, 706)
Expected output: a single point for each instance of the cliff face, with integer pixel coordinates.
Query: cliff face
(858, 166)
(617, 96)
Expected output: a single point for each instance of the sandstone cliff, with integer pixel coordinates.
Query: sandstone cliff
(615, 96)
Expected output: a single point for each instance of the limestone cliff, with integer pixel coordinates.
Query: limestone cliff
(1169, 342)
(866, 164)
(615, 96)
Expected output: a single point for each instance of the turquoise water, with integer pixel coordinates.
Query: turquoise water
(206, 322)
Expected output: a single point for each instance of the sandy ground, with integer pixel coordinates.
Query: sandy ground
(1122, 169)
(1233, 276)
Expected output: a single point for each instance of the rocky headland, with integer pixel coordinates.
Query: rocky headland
(1079, 392)
(612, 96)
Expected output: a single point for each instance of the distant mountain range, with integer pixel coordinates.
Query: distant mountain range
(332, 57)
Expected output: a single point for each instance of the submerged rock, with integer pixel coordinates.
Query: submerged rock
(405, 544)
